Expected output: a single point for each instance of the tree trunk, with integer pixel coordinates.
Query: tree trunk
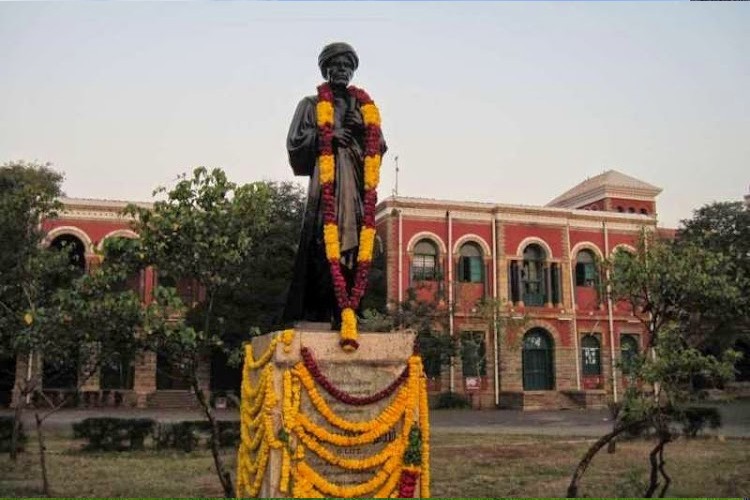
(653, 458)
(591, 453)
(224, 476)
(42, 454)
(17, 416)
(663, 472)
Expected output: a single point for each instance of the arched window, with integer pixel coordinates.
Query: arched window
(424, 263)
(628, 352)
(644, 211)
(585, 269)
(470, 263)
(620, 209)
(532, 275)
(591, 355)
(538, 361)
(631, 210)
(74, 247)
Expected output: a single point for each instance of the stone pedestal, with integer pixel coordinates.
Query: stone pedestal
(380, 362)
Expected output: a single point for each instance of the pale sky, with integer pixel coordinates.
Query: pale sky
(505, 102)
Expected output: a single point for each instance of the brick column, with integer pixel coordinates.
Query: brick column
(144, 382)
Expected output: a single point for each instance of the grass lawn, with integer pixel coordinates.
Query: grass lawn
(463, 465)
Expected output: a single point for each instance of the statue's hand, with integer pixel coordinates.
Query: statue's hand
(353, 120)
(342, 136)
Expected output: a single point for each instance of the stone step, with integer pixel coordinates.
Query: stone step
(172, 399)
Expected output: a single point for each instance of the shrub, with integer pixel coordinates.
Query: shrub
(180, 435)
(188, 434)
(6, 434)
(452, 400)
(697, 417)
(108, 434)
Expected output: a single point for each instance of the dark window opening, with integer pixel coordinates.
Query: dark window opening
(628, 353)
(585, 269)
(532, 276)
(470, 264)
(118, 373)
(591, 355)
(75, 249)
(424, 262)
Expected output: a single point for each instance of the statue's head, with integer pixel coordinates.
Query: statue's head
(337, 62)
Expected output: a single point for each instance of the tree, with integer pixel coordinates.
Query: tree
(723, 228)
(665, 283)
(259, 297)
(96, 321)
(668, 287)
(28, 274)
(207, 230)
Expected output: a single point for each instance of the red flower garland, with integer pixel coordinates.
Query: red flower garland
(344, 397)
(345, 298)
(407, 483)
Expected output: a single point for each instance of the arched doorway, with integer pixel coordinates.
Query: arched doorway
(538, 361)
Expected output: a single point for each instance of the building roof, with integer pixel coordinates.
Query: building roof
(608, 184)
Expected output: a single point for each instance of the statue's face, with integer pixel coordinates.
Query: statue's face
(340, 70)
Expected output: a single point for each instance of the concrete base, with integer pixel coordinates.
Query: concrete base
(379, 360)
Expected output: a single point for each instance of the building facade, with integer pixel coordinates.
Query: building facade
(555, 339)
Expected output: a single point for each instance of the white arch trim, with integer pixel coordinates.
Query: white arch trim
(623, 246)
(426, 235)
(533, 239)
(472, 238)
(73, 231)
(585, 245)
(117, 233)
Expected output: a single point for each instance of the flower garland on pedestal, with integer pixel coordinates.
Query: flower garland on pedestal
(348, 301)
(273, 424)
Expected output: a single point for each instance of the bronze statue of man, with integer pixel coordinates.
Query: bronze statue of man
(311, 295)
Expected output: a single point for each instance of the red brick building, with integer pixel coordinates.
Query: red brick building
(564, 346)
(541, 262)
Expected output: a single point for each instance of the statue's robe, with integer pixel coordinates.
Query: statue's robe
(311, 296)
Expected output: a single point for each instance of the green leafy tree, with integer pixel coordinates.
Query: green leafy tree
(29, 275)
(669, 286)
(96, 321)
(206, 230)
(723, 228)
(668, 283)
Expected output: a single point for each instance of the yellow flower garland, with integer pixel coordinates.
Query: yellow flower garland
(263, 424)
(424, 425)
(387, 417)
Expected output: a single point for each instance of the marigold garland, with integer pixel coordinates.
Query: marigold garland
(388, 416)
(348, 301)
(274, 423)
(342, 396)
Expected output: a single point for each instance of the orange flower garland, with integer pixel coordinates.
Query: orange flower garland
(348, 301)
(273, 424)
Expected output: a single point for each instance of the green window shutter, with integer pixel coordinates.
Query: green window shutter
(590, 272)
(475, 269)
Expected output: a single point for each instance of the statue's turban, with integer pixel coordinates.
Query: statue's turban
(335, 49)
